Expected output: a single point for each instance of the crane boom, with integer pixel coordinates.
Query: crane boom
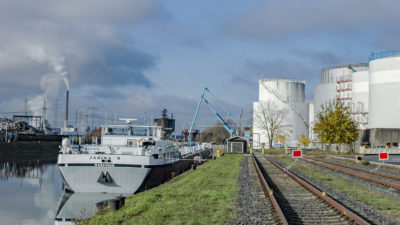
(224, 123)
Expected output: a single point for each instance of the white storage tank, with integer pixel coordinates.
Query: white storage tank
(326, 91)
(384, 90)
(289, 94)
(360, 89)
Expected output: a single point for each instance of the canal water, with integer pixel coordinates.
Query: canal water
(31, 192)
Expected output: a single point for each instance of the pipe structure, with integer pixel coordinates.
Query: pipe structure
(66, 109)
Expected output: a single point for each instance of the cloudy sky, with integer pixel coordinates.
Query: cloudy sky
(137, 57)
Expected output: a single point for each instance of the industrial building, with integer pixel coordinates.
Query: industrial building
(168, 124)
(370, 90)
(347, 83)
(285, 94)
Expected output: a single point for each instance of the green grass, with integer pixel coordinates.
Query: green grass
(204, 196)
(386, 204)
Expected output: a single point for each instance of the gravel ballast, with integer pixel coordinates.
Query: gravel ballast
(253, 206)
(370, 214)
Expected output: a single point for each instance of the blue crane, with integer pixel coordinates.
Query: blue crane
(203, 98)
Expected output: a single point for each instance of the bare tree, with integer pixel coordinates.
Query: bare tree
(272, 119)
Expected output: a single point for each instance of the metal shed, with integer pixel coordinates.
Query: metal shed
(237, 145)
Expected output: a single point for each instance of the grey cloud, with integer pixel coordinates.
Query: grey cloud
(283, 68)
(279, 68)
(91, 36)
(76, 11)
(318, 57)
(117, 66)
(245, 79)
(277, 19)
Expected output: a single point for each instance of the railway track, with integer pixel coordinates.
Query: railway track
(297, 202)
(369, 175)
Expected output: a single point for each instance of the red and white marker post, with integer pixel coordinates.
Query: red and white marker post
(297, 154)
(383, 156)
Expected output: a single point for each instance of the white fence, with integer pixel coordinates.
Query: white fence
(378, 150)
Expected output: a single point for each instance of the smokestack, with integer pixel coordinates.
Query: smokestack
(66, 110)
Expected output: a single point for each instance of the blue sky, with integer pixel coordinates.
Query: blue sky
(133, 57)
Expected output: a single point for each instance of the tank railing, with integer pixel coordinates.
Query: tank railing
(337, 66)
(282, 79)
(381, 55)
(356, 66)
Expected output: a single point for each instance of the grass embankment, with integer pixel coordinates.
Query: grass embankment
(386, 204)
(204, 196)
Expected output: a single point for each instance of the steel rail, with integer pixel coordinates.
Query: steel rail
(388, 184)
(356, 168)
(321, 194)
(269, 192)
(390, 166)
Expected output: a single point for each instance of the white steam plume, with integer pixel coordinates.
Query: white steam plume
(38, 54)
(51, 82)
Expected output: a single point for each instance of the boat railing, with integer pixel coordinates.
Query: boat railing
(98, 149)
(195, 149)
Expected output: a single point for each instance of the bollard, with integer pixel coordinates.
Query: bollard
(121, 200)
(114, 204)
(101, 205)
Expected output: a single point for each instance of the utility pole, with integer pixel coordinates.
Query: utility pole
(55, 113)
(76, 118)
(80, 119)
(26, 106)
(44, 116)
(87, 118)
(5, 140)
(92, 116)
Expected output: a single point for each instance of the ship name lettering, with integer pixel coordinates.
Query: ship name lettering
(103, 165)
(100, 157)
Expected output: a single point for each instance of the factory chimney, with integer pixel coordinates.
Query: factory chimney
(66, 110)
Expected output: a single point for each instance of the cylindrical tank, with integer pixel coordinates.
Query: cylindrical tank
(290, 90)
(360, 90)
(384, 90)
(330, 74)
(289, 94)
(326, 91)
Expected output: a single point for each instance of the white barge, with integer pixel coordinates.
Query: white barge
(129, 159)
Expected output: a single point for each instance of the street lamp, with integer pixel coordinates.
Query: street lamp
(5, 139)
(5, 119)
(258, 142)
